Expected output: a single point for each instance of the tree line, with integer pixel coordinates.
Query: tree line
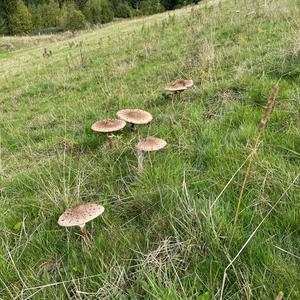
(19, 17)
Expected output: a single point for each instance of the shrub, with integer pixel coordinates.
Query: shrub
(46, 31)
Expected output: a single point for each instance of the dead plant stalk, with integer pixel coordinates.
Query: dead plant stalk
(261, 129)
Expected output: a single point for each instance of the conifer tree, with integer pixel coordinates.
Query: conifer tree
(17, 17)
(51, 14)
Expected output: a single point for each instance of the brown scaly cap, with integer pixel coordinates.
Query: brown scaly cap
(135, 116)
(108, 125)
(80, 214)
(151, 144)
(179, 85)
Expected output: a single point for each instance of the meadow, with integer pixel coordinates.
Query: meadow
(168, 232)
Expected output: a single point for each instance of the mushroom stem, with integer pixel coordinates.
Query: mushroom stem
(173, 96)
(110, 140)
(140, 160)
(132, 127)
(82, 229)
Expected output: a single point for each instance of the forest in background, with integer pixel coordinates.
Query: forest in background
(18, 17)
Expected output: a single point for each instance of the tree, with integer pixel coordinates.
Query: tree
(51, 14)
(36, 16)
(3, 29)
(17, 17)
(34, 2)
(72, 19)
(134, 3)
(123, 10)
(98, 11)
(169, 4)
(23, 16)
(81, 4)
(46, 15)
(149, 7)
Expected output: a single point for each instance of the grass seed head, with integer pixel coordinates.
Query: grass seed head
(268, 110)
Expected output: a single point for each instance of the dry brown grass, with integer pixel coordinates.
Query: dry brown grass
(20, 42)
(296, 48)
(268, 110)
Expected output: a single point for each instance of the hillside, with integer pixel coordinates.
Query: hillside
(168, 232)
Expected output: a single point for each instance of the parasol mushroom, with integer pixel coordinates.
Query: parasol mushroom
(80, 215)
(179, 86)
(149, 144)
(134, 117)
(109, 126)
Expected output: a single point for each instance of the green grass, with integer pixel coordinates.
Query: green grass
(159, 237)
(5, 54)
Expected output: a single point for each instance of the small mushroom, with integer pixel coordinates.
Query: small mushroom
(179, 86)
(109, 126)
(80, 215)
(134, 117)
(149, 144)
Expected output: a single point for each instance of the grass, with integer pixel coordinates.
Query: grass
(5, 54)
(160, 237)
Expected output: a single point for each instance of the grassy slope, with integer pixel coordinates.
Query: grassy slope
(156, 239)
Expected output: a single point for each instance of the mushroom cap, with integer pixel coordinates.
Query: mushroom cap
(135, 116)
(108, 125)
(179, 85)
(175, 87)
(80, 214)
(151, 144)
(189, 83)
